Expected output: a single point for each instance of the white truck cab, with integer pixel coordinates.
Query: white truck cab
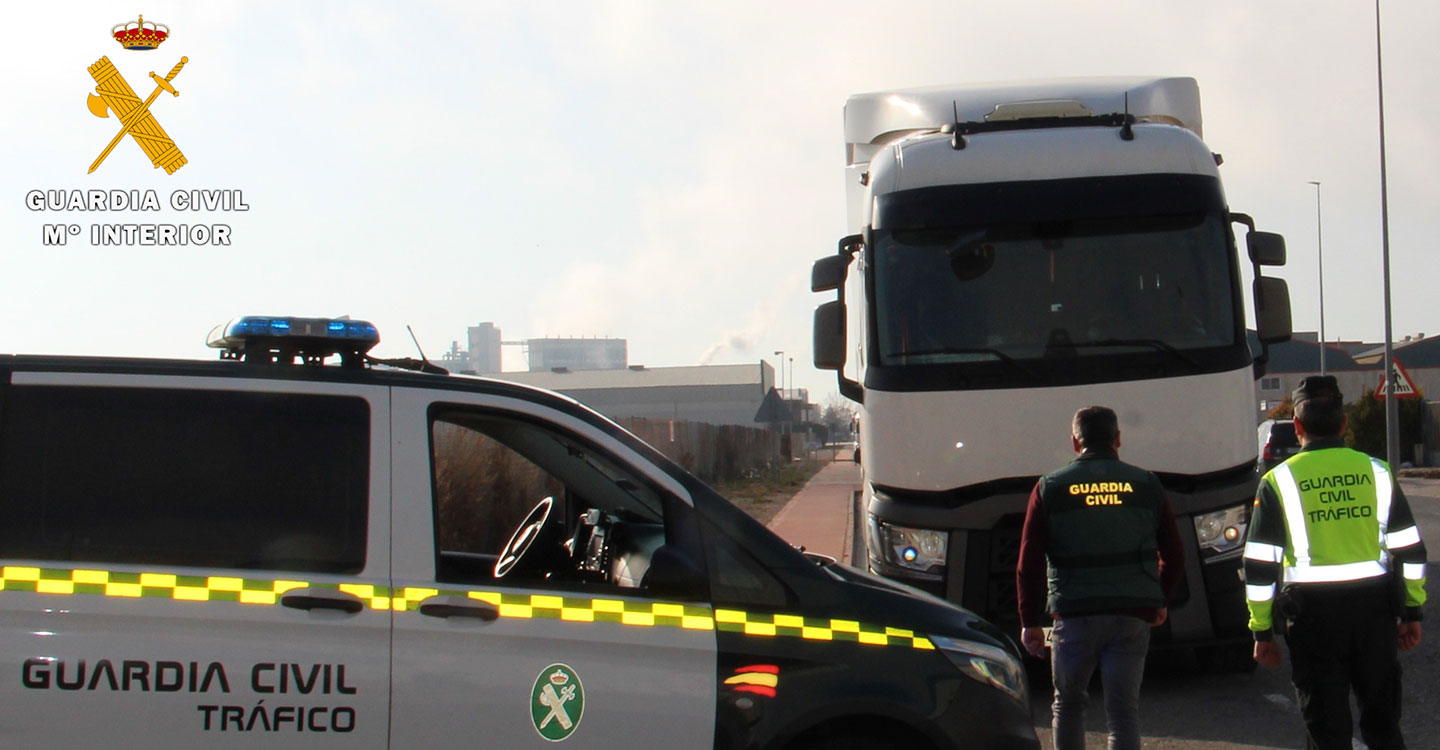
(268, 551)
(1021, 250)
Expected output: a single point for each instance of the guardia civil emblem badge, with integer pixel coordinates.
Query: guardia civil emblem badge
(557, 701)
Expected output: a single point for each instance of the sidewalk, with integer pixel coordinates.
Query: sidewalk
(820, 517)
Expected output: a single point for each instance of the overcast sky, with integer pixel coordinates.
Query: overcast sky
(662, 171)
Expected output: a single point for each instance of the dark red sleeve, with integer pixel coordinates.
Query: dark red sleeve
(1172, 553)
(1030, 572)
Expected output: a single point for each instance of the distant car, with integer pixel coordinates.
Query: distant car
(1277, 442)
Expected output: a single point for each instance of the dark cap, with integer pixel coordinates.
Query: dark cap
(1317, 386)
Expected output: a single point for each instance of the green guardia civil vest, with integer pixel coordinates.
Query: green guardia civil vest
(1337, 506)
(1102, 515)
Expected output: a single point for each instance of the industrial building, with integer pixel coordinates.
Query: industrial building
(1355, 365)
(712, 394)
(597, 373)
(576, 354)
(483, 354)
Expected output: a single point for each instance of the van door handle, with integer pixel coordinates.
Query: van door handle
(459, 606)
(308, 599)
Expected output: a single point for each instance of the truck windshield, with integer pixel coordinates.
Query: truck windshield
(1054, 289)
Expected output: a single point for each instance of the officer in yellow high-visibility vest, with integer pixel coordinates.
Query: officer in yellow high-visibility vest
(1334, 553)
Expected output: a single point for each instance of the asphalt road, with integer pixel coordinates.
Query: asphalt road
(1183, 706)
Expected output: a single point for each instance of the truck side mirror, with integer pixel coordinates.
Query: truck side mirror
(1266, 248)
(830, 335)
(829, 273)
(1272, 309)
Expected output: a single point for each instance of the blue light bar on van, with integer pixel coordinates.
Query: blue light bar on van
(239, 329)
(270, 339)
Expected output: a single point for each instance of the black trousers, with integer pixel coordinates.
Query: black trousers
(1344, 639)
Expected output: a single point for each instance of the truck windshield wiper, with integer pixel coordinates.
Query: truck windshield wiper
(1155, 344)
(996, 353)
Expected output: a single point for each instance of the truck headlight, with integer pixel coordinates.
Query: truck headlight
(920, 550)
(1222, 534)
(983, 663)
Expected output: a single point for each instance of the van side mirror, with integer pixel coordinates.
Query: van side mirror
(1272, 310)
(829, 339)
(1266, 248)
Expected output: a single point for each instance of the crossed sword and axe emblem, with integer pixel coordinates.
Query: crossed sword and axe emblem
(135, 118)
(556, 703)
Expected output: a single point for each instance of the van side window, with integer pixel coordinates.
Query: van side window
(519, 502)
(212, 479)
(483, 489)
(736, 577)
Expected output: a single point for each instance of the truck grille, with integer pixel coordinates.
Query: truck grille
(1002, 555)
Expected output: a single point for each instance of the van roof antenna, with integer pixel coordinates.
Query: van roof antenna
(957, 140)
(410, 363)
(1126, 132)
(411, 331)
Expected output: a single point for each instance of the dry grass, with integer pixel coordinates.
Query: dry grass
(764, 495)
(1421, 473)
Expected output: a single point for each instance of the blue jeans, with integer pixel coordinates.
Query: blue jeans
(1115, 643)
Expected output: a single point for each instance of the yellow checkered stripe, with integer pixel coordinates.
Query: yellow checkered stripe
(129, 585)
(576, 609)
(148, 585)
(816, 629)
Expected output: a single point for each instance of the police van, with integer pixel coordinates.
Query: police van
(303, 546)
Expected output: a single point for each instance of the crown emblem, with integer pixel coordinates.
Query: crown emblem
(559, 678)
(140, 34)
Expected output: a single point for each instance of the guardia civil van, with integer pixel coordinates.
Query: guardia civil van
(302, 546)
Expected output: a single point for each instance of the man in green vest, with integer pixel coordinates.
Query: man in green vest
(1334, 554)
(1101, 554)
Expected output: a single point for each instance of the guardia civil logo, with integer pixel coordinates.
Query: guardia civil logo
(114, 94)
(557, 702)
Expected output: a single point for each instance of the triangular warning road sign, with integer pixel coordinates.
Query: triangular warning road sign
(1404, 386)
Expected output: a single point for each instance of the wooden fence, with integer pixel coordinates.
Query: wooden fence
(715, 453)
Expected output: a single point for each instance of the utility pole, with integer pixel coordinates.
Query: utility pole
(781, 355)
(1392, 408)
(1320, 260)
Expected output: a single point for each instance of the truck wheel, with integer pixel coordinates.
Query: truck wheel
(851, 742)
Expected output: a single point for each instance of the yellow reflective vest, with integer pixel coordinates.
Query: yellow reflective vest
(1329, 515)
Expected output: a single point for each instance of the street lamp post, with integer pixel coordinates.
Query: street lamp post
(1320, 260)
(1392, 409)
(784, 403)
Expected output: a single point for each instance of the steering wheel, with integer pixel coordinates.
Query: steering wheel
(524, 538)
